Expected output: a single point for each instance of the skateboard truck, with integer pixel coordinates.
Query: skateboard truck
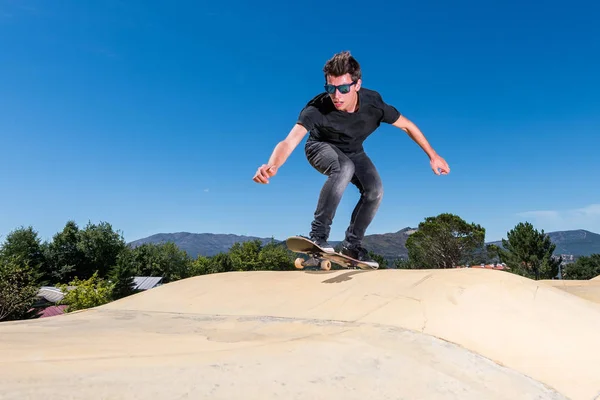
(313, 261)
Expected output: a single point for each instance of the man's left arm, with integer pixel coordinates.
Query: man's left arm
(438, 164)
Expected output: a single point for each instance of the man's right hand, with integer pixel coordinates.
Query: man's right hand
(280, 154)
(264, 172)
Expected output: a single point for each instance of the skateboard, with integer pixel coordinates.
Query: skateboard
(319, 257)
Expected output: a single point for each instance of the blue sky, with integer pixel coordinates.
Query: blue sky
(154, 115)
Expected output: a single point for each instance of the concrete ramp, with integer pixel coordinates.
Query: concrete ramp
(389, 334)
(586, 289)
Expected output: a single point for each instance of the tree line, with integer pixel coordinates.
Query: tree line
(94, 265)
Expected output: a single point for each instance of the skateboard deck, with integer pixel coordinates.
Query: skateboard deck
(319, 257)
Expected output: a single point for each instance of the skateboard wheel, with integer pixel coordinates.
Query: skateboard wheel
(326, 265)
(298, 263)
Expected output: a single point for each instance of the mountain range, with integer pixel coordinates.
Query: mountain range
(390, 246)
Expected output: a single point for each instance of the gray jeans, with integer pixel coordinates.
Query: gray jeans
(342, 169)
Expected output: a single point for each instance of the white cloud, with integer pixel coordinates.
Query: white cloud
(587, 217)
(591, 211)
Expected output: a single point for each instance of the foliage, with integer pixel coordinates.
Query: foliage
(211, 265)
(383, 263)
(100, 246)
(275, 257)
(72, 252)
(88, 293)
(444, 241)
(586, 267)
(246, 256)
(493, 253)
(164, 259)
(220, 263)
(24, 247)
(529, 252)
(202, 265)
(404, 263)
(65, 255)
(18, 288)
(121, 275)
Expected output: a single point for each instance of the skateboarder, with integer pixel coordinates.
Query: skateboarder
(339, 120)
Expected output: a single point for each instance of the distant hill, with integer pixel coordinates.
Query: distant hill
(206, 244)
(391, 246)
(388, 245)
(578, 242)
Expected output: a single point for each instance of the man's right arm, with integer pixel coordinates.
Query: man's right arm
(284, 148)
(280, 154)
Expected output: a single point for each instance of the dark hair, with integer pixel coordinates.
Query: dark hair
(342, 63)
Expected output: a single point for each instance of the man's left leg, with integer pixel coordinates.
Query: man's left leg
(367, 180)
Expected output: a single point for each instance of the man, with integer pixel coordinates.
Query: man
(339, 120)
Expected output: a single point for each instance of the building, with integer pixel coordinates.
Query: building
(48, 298)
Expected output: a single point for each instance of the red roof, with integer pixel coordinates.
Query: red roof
(52, 311)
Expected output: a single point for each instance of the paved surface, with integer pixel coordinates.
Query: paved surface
(389, 334)
(589, 290)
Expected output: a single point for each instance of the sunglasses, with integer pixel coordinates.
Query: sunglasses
(345, 88)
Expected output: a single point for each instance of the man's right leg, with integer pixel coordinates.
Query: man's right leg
(330, 161)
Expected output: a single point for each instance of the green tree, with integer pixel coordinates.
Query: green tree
(487, 254)
(245, 255)
(403, 263)
(275, 257)
(100, 246)
(18, 288)
(176, 263)
(492, 253)
(218, 263)
(24, 247)
(88, 293)
(202, 265)
(161, 259)
(121, 275)
(585, 267)
(383, 264)
(444, 241)
(221, 263)
(529, 252)
(64, 255)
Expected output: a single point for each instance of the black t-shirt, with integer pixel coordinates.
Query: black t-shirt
(346, 130)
